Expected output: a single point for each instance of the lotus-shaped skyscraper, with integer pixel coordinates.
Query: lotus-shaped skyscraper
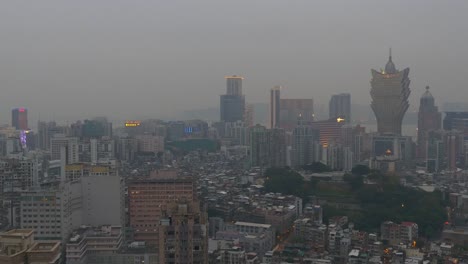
(390, 92)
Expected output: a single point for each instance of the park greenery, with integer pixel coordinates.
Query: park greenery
(376, 196)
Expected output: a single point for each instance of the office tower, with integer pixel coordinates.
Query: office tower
(232, 104)
(19, 118)
(340, 106)
(295, 112)
(390, 92)
(183, 233)
(275, 102)
(429, 119)
(234, 85)
(305, 146)
(161, 188)
(267, 147)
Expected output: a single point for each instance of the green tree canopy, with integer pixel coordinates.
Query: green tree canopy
(316, 167)
(360, 170)
(289, 182)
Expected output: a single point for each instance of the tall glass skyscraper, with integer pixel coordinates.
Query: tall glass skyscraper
(340, 107)
(232, 104)
(19, 118)
(275, 99)
(390, 92)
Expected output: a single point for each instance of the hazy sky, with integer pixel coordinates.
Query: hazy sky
(134, 58)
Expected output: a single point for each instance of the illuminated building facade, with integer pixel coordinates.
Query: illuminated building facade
(329, 130)
(429, 119)
(390, 92)
(232, 104)
(340, 106)
(19, 118)
(132, 123)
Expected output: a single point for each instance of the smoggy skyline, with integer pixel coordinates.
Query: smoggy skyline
(139, 59)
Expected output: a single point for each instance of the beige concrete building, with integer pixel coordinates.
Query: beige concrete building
(18, 246)
(183, 233)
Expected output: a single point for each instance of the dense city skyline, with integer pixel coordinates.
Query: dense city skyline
(251, 132)
(66, 61)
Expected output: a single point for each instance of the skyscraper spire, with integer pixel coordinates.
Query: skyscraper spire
(390, 66)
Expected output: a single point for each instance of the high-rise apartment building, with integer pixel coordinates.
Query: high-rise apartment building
(19, 118)
(232, 104)
(429, 119)
(267, 147)
(146, 196)
(275, 110)
(390, 92)
(305, 146)
(249, 115)
(183, 233)
(19, 174)
(47, 130)
(435, 152)
(71, 147)
(53, 213)
(340, 107)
